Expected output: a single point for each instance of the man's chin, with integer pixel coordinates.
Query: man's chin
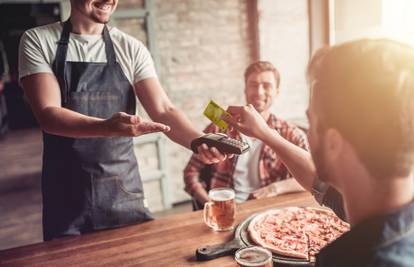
(101, 19)
(321, 170)
(259, 107)
(323, 178)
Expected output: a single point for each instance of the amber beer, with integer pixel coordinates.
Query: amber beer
(253, 256)
(220, 211)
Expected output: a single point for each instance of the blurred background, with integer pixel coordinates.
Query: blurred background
(201, 49)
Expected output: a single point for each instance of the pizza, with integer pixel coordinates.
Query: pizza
(296, 232)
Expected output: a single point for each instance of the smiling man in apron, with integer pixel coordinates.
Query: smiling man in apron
(80, 77)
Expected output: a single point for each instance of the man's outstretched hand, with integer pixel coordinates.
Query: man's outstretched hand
(123, 124)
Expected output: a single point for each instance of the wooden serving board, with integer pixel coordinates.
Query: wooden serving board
(242, 239)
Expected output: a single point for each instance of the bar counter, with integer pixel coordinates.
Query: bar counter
(170, 241)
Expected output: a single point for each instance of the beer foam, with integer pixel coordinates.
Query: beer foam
(221, 195)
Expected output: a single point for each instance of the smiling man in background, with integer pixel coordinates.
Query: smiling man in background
(257, 173)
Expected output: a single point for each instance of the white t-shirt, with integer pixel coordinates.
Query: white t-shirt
(38, 46)
(246, 173)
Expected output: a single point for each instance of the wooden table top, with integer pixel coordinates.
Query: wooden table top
(170, 241)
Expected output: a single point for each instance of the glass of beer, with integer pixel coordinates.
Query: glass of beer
(220, 211)
(253, 256)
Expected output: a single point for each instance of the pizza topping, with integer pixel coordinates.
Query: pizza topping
(296, 232)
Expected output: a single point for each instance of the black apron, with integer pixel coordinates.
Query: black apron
(91, 183)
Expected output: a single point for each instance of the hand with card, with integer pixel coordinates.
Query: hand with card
(217, 142)
(248, 121)
(214, 113)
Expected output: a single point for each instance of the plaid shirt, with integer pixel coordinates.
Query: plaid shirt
(271, 169)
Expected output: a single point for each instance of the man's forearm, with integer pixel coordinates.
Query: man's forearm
(64, 122)
(297, 160)
(43, 93)
(160, 109)
(182, 132)
(201, 195)
(288, 186)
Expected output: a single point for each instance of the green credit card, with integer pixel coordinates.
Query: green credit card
(214, 112)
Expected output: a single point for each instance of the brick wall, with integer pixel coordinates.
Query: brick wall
(203, 50)
(284, 40)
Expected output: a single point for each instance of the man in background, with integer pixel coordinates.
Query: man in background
(259, 172)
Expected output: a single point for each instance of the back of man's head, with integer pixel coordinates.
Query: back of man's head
(366, 92)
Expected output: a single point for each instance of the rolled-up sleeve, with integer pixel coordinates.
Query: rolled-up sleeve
(31, 58)
(143, 64)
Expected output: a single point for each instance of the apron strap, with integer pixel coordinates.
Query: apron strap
(60, 59)
(109, 47)
(61, 53)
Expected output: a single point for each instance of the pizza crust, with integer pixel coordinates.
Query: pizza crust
(289, 253)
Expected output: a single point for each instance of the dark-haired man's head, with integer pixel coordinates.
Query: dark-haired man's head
(362, 95)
